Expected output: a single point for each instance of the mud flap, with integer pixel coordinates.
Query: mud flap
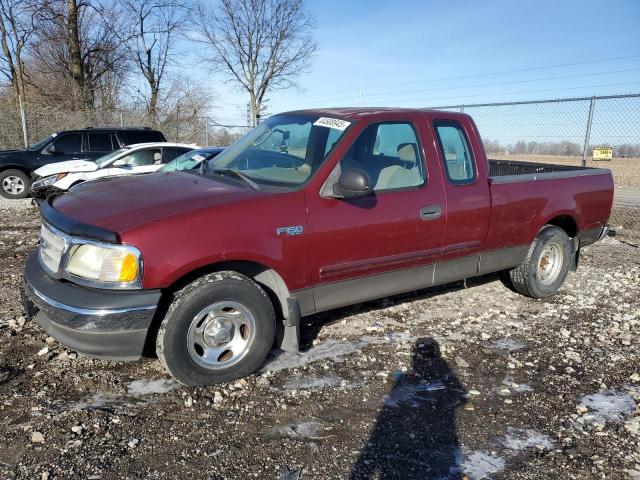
(289, 334)
(575, 254)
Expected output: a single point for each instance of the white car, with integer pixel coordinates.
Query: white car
(129, 160)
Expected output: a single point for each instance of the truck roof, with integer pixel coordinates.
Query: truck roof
(363, 112)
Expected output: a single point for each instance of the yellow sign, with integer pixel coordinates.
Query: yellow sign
(602, 153)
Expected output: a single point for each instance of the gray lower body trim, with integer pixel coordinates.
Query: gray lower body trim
(349, 292)
(340, 294)
(502, 259)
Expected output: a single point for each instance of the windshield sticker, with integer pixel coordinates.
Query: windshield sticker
(332, 123)
(198, 158)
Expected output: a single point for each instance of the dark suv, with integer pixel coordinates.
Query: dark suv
(86, 144)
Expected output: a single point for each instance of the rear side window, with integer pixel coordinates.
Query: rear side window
(141, 136)
(100, 142)
(169, 153)
(455, 152)
(69, 143)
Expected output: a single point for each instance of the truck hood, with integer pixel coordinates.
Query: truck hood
(123, 203)
(71, 166)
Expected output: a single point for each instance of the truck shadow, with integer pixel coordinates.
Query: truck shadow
(314, 323)
(415, 435)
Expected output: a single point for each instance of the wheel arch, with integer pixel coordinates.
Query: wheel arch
(268, 278)
(22, 168)
(565, 222)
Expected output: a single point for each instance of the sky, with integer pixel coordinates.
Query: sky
(436, 53)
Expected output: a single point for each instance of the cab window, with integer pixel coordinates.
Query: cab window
(390, 154)
(455, 152)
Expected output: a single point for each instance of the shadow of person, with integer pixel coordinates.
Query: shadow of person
(415, 433)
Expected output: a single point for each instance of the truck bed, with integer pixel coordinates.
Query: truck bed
(507, 171)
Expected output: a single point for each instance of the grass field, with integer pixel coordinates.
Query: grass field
(626, 171)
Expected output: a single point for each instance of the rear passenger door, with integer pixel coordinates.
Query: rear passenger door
(100, 143)
(468, 203)
(378, 245)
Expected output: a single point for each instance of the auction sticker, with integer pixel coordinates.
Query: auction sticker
(332, 123)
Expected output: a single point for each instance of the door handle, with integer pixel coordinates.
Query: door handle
(430, 212)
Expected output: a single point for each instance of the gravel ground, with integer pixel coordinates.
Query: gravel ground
(465, 381)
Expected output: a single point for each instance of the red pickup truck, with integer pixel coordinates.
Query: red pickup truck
(310, 211)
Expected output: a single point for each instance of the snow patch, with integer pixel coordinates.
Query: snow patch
(608, 405)
(412, 394)
(479, 464)
(300, 429)
(308, 383)
(329, 350)
(520, 439)
(148, 387)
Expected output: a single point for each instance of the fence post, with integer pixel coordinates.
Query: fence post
(23, 119)
(206, 131)
(121, 120)
(177, 122)
(587, 136)
(461, 108)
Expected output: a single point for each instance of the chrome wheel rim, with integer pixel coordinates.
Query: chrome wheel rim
(221, 335)
(549, 264)
(13, 185)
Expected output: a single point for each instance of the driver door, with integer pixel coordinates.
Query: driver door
(381, 244)
(66, 146)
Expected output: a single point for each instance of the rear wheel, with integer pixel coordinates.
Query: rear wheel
(14, 184)
(546, 265)
(219, 328)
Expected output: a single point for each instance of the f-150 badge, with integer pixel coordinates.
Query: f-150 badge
(295, 230)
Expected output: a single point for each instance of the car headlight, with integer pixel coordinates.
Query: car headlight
(102, 264)
(48, 181)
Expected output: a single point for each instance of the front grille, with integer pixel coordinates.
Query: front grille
(51, 249)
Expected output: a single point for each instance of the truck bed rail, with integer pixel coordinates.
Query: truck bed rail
(508, 171)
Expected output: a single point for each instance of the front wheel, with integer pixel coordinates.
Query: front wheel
(14, 184)
(546, 265)
(219, 328)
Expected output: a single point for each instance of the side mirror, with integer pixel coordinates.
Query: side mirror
(50, 149)
(119, 163)
(353, 183)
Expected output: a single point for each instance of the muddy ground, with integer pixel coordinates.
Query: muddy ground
(466, 380)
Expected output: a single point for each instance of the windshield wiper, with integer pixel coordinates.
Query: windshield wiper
(237, 174)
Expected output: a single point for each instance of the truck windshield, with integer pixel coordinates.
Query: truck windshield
(285, 150)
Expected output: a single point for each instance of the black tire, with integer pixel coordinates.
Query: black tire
(526, 279)
(21, 182)
(214, 289)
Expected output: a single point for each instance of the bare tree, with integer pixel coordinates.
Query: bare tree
(16, 33)
(78, 51)
(263, 45)
(155, 26)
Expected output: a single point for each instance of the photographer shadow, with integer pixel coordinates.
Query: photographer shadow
(415, 433)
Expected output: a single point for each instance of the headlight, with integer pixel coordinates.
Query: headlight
(117, 265)
(50, 180)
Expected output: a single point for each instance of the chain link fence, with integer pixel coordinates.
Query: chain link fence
(177, 127)
(566, 131)
(562, 131)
